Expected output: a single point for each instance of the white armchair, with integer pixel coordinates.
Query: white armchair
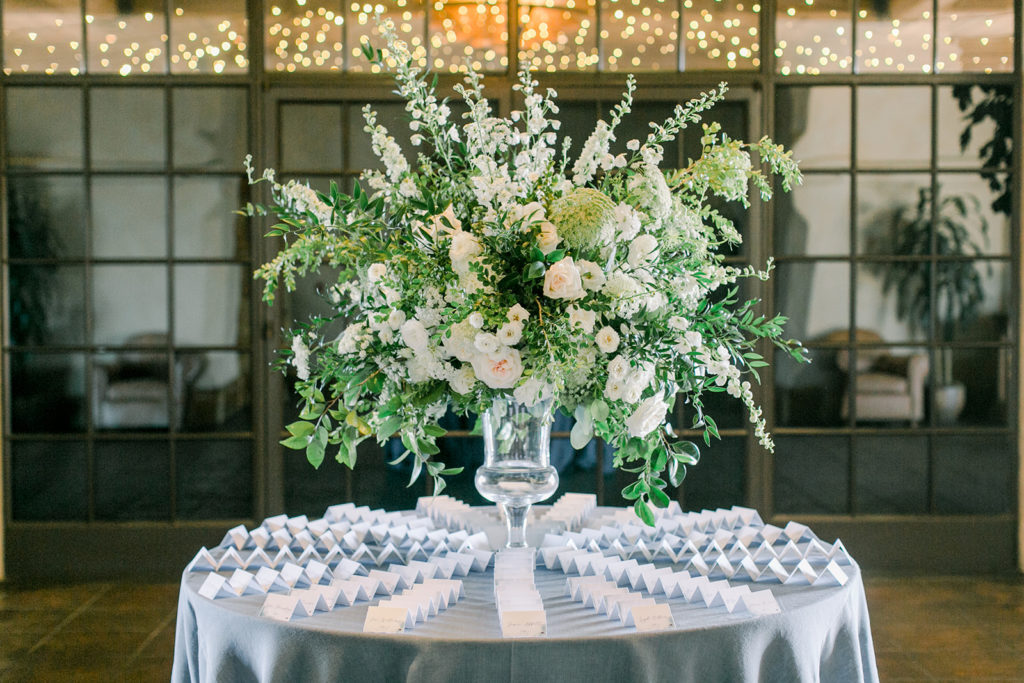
(886, 387)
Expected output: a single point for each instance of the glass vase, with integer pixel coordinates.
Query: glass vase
(517, 469)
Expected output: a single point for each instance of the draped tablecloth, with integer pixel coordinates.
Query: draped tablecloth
(822, 634)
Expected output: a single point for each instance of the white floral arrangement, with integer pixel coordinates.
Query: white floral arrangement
(494, 264)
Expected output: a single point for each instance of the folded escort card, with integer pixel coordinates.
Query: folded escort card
(520, 607)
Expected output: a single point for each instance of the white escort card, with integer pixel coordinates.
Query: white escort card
(520, 608)
(283, 607)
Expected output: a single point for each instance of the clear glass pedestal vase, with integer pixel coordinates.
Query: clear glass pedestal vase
(517, 469)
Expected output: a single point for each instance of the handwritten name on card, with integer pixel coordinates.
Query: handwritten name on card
(651, 617)
(385, 619)
(523, 624)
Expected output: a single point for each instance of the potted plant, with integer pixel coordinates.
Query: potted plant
(957, 287)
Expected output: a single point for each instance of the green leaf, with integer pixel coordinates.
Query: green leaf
(599, 410)
(451, 471)
(581, 434)
(435, 430)
(296, 443)
(300, 428)
(712, 426)
(315, 453)
(390, 425)
(643, 512)
(555, 256)
(534, 270)
(659, 497)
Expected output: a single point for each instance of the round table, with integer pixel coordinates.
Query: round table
(822, 634)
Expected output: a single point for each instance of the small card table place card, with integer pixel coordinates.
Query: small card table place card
(520, 607)
(283, 607)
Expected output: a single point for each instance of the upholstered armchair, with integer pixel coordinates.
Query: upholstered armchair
(886, 387)
(132, 391)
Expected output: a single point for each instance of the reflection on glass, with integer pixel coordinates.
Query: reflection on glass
(303, 36)
(409, 18)
(391, 115)
(894, 299)
(204, 223)
(972, 384)
(132, 480)
(891, 474)
(982, 230)
(46, 304)
(311, 137)
(210, 128)
(127, 128)
(49, 481)
(815, 295)
(126, 38)
(809, 394)
(208, 304)
(42, 37)
(815, 124)
(894, 39)
(886, 205)
(209, 37)
(885, 386)
(129, 216)
(473, 32)
(815, 218)
(974, 474)
(218, 395)
(45, 216)
(720, 35)
(50, 391)
(975, 36)
(44, 128)
(558, 36)
(813, 38)
(214, 480)
(635, 38)
(132, 389)
(128, 301)
(893, 127)
(812, 474)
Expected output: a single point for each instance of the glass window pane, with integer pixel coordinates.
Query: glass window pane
(814, 219)
(721, 36)
(49, 481)
(217, 391)
(208, 304)
(204, 223)
(47, 304)
(970, 225)
(132, 480)
(893, 127)
(50, 392)
(410, 21)
(636, 126)
(461, 31)
(46, 216)
(975, 36)
(989, 138)
(303, 36)
(311, 137)
(210, 128)
(42, 37)
(972, 386)
(893, 299)
(815, 296)
(126, 38)
(812, 474)
(44, 128)
(815, 124)
(809, 394)
(885, 386)
(558, 38)
(974, 474)
(214, 479)
(717, 480)
(128, 301)
(813, 38)
(578, 120)
(131, 388)
(636, 38)
(209, 37)
(128, 128)
(887, 209)
(892, 474)
(894, 38)
(129, 217)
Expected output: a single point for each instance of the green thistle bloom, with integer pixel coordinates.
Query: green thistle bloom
(581, 216)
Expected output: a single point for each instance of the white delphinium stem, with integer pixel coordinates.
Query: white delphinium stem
(385, 146)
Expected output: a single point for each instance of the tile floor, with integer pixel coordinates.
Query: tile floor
(925, 629)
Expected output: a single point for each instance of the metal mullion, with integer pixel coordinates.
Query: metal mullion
(933, 384)
(851, 340)
(172, 380)
(90, 398)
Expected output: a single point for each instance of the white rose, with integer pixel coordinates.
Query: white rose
(548, 239)
(376, 272)
(607, 340)
(459, 341)
(647, 417)
(678, 322)
(618, 368)
(517, 314)
(591, 274)
(613, 389)
(499, 370)
(485, 342)
(396, 319)
(415, 335)
(642, 249)
(462, 380)
(631, 393)
(531, 391)
(476, 319)
(441, 227)
(391, 295)
(582, 318)
(464, 247)
(510, 333)
(562, 280)
(627, 222)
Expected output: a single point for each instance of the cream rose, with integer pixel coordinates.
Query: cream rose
(562, 280)
(498, 370)
(376, 272)
(548, 239)
(415, 335)
(396, 319)
(618, 368)
(607, 340)
(591, 274)
(647, 417)
(464, 247)
(642, 249)
(582, 318)
(510, 333)
(517, 314)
